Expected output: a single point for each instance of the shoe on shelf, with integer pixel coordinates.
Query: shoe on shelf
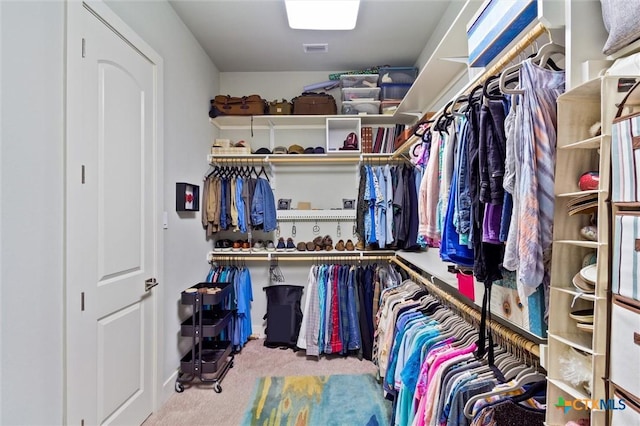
(258, 246)
(291, 246)
(246, 246)
(281, 245)
(317, 241)
(218, 246)
(237, 245)
(340, 245)
(349, 246)
(302, 246)
(311, 246)
(227, 245)
(360, 245)
(269, 246)
(327, 242)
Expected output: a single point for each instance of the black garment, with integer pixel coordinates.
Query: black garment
(508, 413)
(361, 204)
(492, 152)
(411, 243)
(366, 336)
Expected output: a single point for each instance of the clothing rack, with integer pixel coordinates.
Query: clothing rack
(314, 258)
(507, 338)
(505, 60)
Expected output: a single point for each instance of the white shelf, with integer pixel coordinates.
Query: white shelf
(568, 389)
(575, 340)
(292, 122)
(590, 143)
(325, 215)
(262, 255)
(444, 68)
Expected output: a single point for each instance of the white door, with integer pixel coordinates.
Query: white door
(111, 232)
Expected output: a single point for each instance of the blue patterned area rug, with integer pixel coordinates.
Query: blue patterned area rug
(354, 400)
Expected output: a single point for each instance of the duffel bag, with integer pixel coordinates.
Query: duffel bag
(311, 103)
(245, 105)
(280, 107)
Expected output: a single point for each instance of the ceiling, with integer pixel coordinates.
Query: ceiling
(254, 36)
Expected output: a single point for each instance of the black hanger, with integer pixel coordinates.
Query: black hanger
(475, 98)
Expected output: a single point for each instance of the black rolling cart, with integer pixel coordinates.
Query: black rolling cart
(210, 358)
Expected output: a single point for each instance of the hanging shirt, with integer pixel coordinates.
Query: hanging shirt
(542, 88)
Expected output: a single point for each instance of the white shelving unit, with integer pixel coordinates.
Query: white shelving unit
(579, 151)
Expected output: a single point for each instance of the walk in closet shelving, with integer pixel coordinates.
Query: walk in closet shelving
(582, 147)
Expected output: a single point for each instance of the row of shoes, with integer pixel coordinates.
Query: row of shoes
(318, 244)
(244, 245)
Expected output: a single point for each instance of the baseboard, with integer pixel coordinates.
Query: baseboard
(258, 331)
(168, 388)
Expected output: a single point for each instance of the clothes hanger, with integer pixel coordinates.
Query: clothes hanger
(544, 54)
(519, 383)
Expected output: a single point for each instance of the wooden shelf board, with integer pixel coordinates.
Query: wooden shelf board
(576, 193)
(568, 389)
(580, 243)
(569, 339)
(590, 143)
(585, 296)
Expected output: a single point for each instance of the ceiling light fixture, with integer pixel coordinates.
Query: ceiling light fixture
(322, 14)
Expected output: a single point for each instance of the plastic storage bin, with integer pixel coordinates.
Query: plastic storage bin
(360, 107)
(394, 91)
(361, 94)
(397, 75)
(389, 107)
(359, 80)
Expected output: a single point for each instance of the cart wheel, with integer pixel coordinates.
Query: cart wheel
(217, 388)
(231, 364)
(179, 387)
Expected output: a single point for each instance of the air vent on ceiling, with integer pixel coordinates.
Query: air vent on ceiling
(315, 48)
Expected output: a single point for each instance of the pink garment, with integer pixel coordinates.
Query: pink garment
(425, 407)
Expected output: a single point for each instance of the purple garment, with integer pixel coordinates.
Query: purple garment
(491, 223)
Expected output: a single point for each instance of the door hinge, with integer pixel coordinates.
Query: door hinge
(84, 52)
(82, 174)
(150, 283)
(82, 301)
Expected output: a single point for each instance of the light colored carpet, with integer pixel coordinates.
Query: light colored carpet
(200, 405)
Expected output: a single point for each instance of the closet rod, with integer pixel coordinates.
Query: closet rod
(503, 332)
(313, 258)
(505, 60)
(237, 160)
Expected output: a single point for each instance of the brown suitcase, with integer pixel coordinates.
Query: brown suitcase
(280, 107)
(311, 103)
(245, 105)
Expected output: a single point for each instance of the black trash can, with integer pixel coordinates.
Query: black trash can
(284, 315)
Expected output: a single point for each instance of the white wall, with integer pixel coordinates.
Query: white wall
(190, 81)
(32, 198)
(32, 212)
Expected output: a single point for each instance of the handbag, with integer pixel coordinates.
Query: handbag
(229, 105)
(280, 107)
(625, 154)
(312, 103)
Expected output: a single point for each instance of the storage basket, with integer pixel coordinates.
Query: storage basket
(359, 80)
(360, 107)
(625, 345)
(625, 155)
(394, 91)
(626, 255)
(398, 75)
